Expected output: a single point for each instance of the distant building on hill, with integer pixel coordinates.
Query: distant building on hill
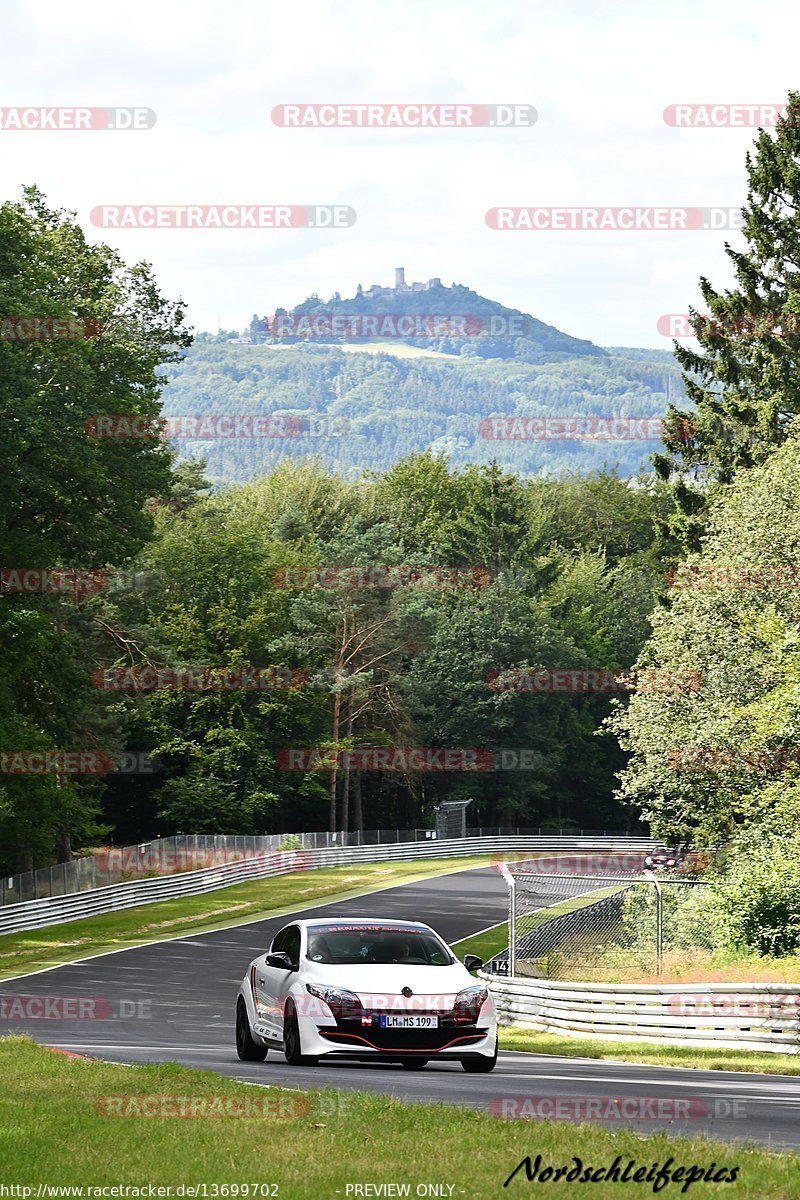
(401, 288)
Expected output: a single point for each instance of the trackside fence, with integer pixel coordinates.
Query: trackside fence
(193, 851)
(611, 924)
(252, 864)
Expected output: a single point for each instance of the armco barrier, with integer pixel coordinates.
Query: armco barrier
(196, 851)
(751, 1016)
(54, 910)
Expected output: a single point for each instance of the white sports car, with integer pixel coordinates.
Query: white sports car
(365, 989)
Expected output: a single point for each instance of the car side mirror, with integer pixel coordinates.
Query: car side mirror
(472, 962)
(281, 960)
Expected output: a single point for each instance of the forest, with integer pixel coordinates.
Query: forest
(363, 410)
(219, 637)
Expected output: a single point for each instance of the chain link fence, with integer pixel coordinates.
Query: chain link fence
(608, 927)
(193, 852)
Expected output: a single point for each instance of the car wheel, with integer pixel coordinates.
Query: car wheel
(479, 1065)
(291, 1041)
(414, 1064)
(246, 1048)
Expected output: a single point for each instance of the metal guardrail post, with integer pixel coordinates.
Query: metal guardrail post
(512, 926)
(511, 883)
(659, 920)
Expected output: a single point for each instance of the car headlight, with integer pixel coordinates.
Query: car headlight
(341, 1002)
(469, 1003)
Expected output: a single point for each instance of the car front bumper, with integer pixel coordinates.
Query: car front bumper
(351, 1039)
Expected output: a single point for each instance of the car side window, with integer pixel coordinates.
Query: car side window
(279, 941)
(292, 944)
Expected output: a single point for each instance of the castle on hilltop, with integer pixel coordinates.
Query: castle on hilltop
(401, 288)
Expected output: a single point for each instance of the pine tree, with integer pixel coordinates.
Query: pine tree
(745, 379)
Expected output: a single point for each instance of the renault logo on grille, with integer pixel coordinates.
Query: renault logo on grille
(407, 991)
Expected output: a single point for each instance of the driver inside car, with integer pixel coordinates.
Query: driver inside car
(319, 950)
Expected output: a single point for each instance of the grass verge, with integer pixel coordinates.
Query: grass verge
(650, 1052)
(694, 965)
(58, 1126)
(36, 948)
(486, 944)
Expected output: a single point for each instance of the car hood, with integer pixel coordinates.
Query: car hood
(389, 979)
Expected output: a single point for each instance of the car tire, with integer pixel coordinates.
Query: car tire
(414, 1064)
(247, 1049)
(479, 1064)
(292, 1047)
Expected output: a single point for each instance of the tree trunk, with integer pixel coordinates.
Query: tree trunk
(358, 818)
(346, 773)
(24, 863)
(337, 708)
(63, 847)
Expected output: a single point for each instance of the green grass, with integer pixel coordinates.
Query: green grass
(37, 948)
(693, 965)
(54, 1130)
(512, 1038)
(485, 945)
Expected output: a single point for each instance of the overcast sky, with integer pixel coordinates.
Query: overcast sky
(599, 76)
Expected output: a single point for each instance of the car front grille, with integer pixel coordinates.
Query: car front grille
(354, 1035)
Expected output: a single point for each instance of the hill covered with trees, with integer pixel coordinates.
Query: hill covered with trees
(451, 320)
(367, 408)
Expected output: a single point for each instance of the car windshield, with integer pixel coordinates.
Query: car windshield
(343, 944)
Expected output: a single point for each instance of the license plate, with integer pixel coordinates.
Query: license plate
(394, 1021)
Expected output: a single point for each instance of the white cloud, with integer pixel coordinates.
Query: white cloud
(599, 76)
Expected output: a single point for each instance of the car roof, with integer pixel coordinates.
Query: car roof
(383, 922)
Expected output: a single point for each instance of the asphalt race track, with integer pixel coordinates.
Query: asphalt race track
(175, 1000)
